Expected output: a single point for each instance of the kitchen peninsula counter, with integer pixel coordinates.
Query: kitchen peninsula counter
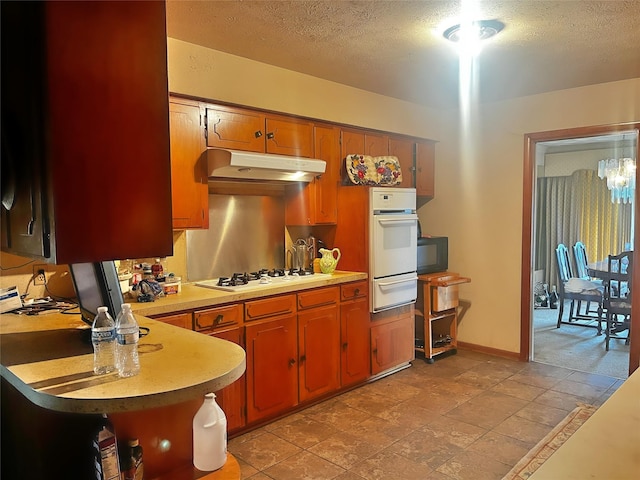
(193, 296)
(49, 359)
(52, 402)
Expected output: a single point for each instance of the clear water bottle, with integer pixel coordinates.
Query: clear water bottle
(127, 335)
(103, 337)
(209, 436)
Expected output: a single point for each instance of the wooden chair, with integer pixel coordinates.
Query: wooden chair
(590, 295)
(581, 262)
(617, 296)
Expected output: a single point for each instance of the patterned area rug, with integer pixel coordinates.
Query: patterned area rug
(549, 444)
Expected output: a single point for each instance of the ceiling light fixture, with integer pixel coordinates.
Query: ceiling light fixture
(474, 31)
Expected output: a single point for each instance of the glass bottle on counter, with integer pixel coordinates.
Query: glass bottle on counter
(103, 338)
(157, 269)
(127, 334)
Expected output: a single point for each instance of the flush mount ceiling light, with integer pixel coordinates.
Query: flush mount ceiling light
(477, 30)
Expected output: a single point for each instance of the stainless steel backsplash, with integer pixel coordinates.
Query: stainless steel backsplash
(246, 233)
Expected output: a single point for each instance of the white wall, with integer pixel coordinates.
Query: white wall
(479, 161)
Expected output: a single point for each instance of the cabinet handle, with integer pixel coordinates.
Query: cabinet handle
(356, 292)
(303, 358)
(345, 345)
(258, 134)
(292, 362)
(218, 320)
(270, 135)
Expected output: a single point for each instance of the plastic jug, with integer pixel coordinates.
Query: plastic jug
(209, 435)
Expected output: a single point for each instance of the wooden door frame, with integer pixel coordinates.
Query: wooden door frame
(530, 142)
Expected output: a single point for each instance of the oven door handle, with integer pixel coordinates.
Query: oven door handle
(399, 221)
(386, 284)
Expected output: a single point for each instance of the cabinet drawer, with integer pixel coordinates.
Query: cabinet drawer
(179, 320)
(217, 317)
(317, 298)
(269, 307)
(353, 290)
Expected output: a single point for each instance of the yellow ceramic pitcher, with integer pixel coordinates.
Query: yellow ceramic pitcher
(328, 260)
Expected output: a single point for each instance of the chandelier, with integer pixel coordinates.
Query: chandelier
(621, 178)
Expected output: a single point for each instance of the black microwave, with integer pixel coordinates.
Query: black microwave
(433, 254)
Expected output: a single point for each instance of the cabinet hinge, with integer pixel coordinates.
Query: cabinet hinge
(203, 123)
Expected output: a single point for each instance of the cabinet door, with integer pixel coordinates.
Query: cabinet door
(189, 188)
(392, 344)
(182, 320)
(319, 351)
(235, 128)
(355, 352)
(272, 371)
(316, 203)
(232, 398)
(425, 169)
(94, 122)
(289, 137)
(404, 149)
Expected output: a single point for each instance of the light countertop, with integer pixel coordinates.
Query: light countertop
(193, 297)
(49, 359)
(606, 446)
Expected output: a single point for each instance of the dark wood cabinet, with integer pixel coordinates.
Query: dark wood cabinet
(250, 130)
(318, 342)
(86, 172)
(315, 203)
(404, 148)
(354, 334)
(425, 169)
(232, 399)
(272, 370)
(189, 183)
(392, 339)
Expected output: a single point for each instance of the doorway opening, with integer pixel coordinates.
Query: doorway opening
(573, 346)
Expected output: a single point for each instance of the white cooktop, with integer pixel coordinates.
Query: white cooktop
(257, 285)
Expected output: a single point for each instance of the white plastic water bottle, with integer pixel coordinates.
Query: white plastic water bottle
(209, 435)
(127, 336)
(103, 337)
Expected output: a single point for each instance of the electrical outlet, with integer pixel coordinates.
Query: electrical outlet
(39, 274)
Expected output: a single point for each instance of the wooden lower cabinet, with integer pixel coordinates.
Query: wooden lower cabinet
(354, 333)
(392, 340)
(319, 345)
(232, 399)
(272, 371)
(182, 320)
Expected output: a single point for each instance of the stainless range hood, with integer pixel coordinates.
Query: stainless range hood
(235, 164)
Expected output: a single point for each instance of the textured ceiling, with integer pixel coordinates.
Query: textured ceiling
(395, 48)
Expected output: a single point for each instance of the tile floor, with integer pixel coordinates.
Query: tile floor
(467, 416)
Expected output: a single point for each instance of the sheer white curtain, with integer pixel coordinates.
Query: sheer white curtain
(577, 208)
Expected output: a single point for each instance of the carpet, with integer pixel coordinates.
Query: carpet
(550, 443)
(576, 348)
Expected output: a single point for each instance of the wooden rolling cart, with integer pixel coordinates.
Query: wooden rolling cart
(437, 313)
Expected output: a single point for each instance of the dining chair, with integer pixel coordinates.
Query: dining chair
(576, 290)
(581, 262)
(617, 296)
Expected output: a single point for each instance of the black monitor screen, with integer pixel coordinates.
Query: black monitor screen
(96, 285)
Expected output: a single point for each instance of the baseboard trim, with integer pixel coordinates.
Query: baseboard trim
(490, 351)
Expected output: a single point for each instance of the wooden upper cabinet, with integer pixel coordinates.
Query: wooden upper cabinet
(403, 148)
(289, 136)
(78, 124)
(236, 129)
(248, 130)
(189, 188)
(425, 169)
(315, 203)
